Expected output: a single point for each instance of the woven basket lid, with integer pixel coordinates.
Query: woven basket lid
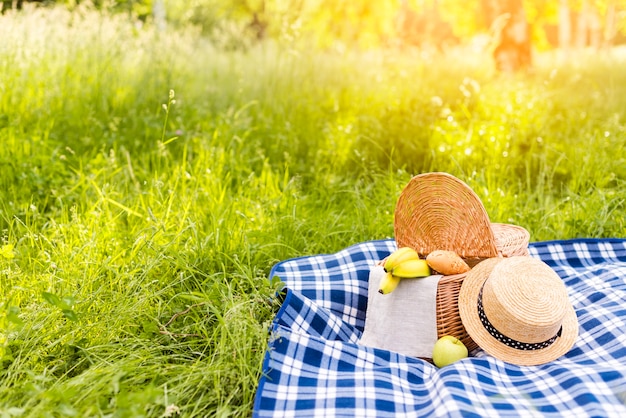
(437, 211)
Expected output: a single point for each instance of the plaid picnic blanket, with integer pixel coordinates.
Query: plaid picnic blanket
(314, 366)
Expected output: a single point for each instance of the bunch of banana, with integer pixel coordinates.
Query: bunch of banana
(404, 263)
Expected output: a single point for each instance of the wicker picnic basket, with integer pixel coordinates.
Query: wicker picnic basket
(437, 211)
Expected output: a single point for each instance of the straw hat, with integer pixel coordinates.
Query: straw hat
(517, 309)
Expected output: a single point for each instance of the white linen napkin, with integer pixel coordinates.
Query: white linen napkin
(405, 320)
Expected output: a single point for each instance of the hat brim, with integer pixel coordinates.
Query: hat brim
(468, 309)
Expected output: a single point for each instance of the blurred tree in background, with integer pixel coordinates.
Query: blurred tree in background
(504, 25)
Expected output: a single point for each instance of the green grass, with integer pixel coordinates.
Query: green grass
(137, 238)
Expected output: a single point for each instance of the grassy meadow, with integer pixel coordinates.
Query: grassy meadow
(149, 181)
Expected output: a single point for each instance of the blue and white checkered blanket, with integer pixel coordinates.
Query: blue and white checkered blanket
(313, 366)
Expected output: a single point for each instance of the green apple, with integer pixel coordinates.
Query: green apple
(447, 350)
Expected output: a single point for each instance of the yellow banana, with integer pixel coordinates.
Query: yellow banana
(411, 269)
(398, 256)
(388, 283)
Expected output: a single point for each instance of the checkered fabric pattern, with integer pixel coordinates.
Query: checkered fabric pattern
(315, 368)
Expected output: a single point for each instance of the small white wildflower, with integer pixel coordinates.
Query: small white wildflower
(170, 410)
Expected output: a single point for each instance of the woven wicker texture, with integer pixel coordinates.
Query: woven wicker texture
(448, 317)
(437, 211)
(510, 239)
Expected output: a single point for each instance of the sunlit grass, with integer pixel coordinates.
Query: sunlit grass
(136, 239)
